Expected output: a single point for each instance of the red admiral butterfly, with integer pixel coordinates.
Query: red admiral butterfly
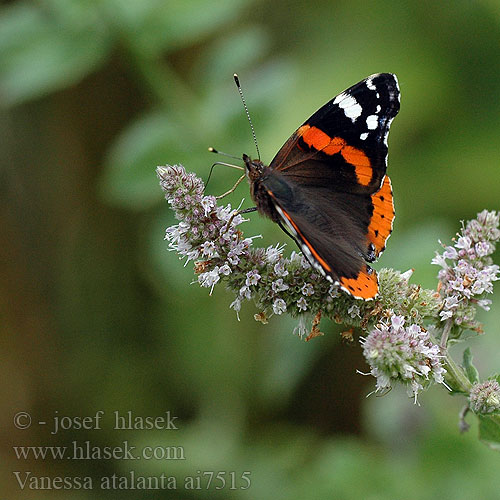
(328, 185)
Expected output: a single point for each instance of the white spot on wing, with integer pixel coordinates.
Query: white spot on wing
(372, 122)
(369, 84)
(363, 136)
(339, 98)
(389, 121)
(348, 103)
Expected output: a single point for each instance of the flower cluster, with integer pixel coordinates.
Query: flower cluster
(208, 234)
(484, 397)
(468, 271)
(404, 354)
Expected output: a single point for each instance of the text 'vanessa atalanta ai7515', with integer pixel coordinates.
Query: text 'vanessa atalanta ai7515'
(328, 188)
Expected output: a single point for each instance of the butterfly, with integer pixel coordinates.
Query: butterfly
(327, 186)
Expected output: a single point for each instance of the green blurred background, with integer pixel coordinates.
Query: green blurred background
(96, 314)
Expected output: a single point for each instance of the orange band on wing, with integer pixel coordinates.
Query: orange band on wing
(335, 145)
(361, 163)
(380, 226)
(364, 286)
(317, 139)
(325, 266)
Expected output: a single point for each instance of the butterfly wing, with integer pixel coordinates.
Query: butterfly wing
(330, 229)
(329, 186)
(344, 144)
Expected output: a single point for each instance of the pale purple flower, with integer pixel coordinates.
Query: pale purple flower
(209, 279)
(253, 277)
(354, 311)
(279, 285)
(450, 253)
(236, 304)
(302, 304)
(279, 268)
(208, 204)
(208, 234)
(402, 354)
(208, 249)
(439, 260)
(245, 292)
(225, 270)
(279, 306)
(463, 242)
(274, 253)
(484, 303)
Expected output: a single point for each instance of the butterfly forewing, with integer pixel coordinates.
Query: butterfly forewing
(344, 144)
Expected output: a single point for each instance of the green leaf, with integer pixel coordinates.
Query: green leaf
(40, 52)
(129, 178)
(234, 52)
(157, 25)
(470, 369)
(489, 430)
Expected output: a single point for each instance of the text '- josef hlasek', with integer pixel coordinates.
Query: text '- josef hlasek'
(121, 421)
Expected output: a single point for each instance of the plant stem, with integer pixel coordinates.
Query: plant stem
(462, 424)
(446, 332)
(455, 376)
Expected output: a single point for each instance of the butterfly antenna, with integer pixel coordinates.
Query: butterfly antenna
(216, 151)
(237, 81)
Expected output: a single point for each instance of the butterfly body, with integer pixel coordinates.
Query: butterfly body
(328, 185)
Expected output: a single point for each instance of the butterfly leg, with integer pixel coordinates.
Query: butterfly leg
(247, 210)
(238, 212)
(230, 190)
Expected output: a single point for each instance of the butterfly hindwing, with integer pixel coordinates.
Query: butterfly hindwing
(380, 226)
(318, 221)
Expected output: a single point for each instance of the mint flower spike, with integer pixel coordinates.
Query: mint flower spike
(397, 346)
(484, 397)
(396, 353)
(209, 235)
(467, 271)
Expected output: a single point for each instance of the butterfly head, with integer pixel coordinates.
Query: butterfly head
(254, 168)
